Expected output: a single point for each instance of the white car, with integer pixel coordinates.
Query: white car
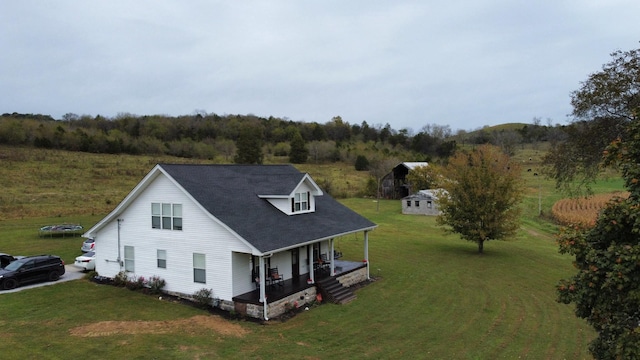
(88, 245)
(86, 262)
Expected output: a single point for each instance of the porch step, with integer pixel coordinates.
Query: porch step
(332, 290)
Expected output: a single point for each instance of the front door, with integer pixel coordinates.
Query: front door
(295, 267)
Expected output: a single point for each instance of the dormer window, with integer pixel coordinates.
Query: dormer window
(301, 202)
(294, 196)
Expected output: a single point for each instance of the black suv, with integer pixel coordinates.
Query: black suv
(31, 269)
(5, 259)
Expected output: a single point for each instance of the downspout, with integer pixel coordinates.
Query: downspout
(119, 256)
(366, 251)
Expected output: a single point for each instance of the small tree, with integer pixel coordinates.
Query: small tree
(362, 163)
(249, 146)
(484, 191)
(299, 152)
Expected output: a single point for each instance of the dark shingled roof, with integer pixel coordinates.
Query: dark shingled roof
(230, 193)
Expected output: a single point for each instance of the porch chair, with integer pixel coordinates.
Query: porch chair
(324, 263)
(276, 277)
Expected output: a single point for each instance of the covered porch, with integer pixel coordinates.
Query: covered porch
(278, 291)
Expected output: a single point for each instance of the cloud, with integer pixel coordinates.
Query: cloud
(408, 63)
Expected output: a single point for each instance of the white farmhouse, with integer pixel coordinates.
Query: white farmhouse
(261, 237)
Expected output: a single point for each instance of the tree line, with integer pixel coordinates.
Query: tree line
(207, 136)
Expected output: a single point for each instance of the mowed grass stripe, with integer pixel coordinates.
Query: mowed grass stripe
(507, 294)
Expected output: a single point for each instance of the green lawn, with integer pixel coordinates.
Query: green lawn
(433, 297)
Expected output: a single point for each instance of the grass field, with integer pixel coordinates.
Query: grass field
(433, 296)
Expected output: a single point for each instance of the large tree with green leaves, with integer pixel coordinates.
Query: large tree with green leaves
(602, 107)
(423, 177)
(606, 288)
(484, 189)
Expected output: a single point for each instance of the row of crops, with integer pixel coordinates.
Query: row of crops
(582, 211)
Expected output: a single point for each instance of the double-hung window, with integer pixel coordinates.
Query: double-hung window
(162, 259)
(166, 216)
(301, 202)
(199, 268)
(129, 259)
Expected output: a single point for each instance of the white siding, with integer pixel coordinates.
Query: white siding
(106, 247)
(283, 262)
(427, 205)
(242, 282)
(304, 259)
(283, 205)
(200, 234)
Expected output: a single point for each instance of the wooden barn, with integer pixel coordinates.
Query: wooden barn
(394, 184)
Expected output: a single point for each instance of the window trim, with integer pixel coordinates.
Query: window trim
(129, 261)
(166, 216)
(202, 271)
(161, 260)
(301, 202)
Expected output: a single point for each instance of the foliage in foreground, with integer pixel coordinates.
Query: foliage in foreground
(602, 108)
(606, 289)
(484, 190)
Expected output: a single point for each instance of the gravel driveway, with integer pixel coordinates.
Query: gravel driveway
(70, 273)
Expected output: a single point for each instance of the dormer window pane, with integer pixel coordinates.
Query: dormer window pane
(301, 202)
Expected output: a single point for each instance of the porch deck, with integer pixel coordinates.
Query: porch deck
(292, 286)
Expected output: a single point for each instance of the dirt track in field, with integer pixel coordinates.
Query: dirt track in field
(193, 325)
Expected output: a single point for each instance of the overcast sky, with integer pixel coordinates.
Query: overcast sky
(465, 64)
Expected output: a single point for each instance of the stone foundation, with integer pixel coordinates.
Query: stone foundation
(354, 277)
(275, 309)
(298, 299)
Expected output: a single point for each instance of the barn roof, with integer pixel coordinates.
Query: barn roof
(413, 164)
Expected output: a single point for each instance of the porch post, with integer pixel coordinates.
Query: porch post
(262, 282)
(366, 251)
(331, 257)
(310, 259)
